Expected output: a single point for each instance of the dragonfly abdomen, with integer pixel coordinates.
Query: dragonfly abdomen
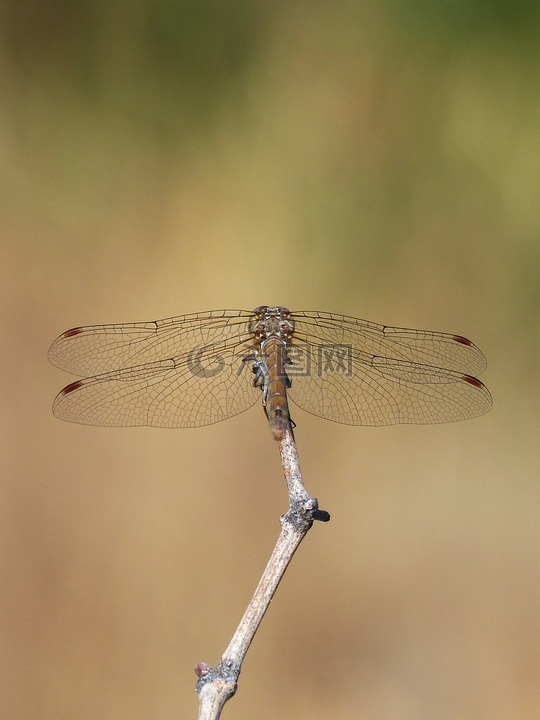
(277, 409)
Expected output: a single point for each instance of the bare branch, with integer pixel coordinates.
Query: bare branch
(217, 685)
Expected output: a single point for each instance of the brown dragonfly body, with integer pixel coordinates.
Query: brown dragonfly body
(273, 328)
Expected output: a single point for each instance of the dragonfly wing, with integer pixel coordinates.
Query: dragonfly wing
(443, 350)
(96, 349)
(358, 389)
(190, 390)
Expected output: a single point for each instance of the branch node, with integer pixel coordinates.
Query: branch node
(225, 674)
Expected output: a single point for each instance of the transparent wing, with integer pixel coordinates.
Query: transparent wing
(101, 348)
(383, 391)
(360, 373)
(196, 388)
(189, 370)
(441, 350)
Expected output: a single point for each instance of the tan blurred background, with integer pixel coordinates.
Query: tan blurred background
(378, 160)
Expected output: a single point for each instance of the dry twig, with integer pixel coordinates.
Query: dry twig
(217, 685)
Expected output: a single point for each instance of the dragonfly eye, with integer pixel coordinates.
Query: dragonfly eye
(259, 313)
(254, 326)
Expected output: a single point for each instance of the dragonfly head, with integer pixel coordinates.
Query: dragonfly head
(271, 321)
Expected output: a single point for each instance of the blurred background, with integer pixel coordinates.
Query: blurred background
(377, 160)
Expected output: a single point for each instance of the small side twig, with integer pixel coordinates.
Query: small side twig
(217, 685)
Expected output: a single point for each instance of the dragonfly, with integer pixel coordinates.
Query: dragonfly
(202, 368)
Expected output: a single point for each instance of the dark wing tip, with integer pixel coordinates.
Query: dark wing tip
(71, 333)
(463, 340)
(70, 388)
(474, 381)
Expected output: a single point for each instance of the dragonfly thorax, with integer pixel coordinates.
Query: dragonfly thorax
(268, 322)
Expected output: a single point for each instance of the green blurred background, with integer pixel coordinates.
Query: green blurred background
(378, 160)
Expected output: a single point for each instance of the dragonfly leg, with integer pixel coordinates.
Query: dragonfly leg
(261, 376)
(288, 381)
